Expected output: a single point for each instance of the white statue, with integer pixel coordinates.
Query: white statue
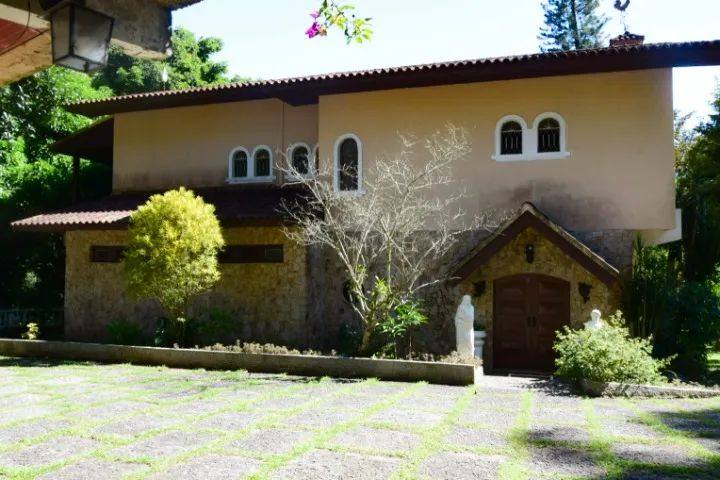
(464, 336)
(596, 320)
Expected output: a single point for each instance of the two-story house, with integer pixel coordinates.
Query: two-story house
(579, 143)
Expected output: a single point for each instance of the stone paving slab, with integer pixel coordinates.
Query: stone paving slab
(275, 441)
(28, 412)
(111, 410)
(320, 418)
(327, 465)
(378, 439)
(461, 466)
(564, 461)
(476, 438)
(52, 451)
(211, 467)
(165, 445)
(25, 431)
(629, 427)
(135, 425)
(656, 454)
(493, 418)
(555, 433)
(95, 469)
(232, 421)
(408, 418)
(198, 407)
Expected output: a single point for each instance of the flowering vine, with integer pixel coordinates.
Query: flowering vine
(330, 14)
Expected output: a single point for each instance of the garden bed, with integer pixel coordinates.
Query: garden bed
(315, 365)
(615, 389)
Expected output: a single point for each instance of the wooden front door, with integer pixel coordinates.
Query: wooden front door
(528, 310)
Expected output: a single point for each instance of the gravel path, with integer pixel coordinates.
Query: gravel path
(87, 421)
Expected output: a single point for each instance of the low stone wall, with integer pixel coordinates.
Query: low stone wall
(614, 389)
(397, 370)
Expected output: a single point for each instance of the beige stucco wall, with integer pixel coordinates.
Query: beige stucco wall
(549, 260)
(268, 300)
(191, 146)
(619, 134)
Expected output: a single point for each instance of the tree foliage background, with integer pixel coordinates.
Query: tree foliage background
(33, 180)
(571, 25)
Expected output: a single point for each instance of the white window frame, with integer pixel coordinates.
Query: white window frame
(251, 177)
(336, 164)
(311, 159)
(529, 139)
(231, 178)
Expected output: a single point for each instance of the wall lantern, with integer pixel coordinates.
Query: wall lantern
(530, 253)
(479, 288)
(584, 291)
(80, 36)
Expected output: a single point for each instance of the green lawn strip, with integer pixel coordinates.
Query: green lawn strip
(221, 444)
(601, 443)
(514, 468)
(433, 438)
(323, 436)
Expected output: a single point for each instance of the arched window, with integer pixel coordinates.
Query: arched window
(511, 138)
(238, 167)
(548, 135)
(300, 158)
(348, 164)
(262, 160)
(316, 158)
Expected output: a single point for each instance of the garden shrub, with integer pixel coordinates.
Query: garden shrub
(607, 354)
(122, 332)
(32, 332)
(171, 256)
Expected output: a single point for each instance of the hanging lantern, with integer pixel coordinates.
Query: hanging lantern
(80, 36)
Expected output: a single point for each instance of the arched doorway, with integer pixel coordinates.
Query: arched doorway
(527, 311)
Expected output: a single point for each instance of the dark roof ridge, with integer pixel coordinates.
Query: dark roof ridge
(704, 52)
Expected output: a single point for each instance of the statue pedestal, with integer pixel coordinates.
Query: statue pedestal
(480, 336)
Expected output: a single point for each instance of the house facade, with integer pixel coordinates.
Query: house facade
(578, 145)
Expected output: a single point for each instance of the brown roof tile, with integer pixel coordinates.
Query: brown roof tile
(307, 89)
(233, 206)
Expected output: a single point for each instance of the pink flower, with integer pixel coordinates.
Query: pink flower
(315, 14)
(313, 31)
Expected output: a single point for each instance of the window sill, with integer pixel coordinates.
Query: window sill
(524, 157)
(349, 193)
(299, 178)
(236, 181)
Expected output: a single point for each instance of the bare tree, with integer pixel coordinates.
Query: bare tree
(391, 235)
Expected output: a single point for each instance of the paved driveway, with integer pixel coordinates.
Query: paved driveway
(85, 421)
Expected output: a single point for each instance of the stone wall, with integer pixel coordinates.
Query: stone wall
(269, 300)
(549, 260)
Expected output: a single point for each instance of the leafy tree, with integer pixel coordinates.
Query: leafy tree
(33, 109)
(171, 255)
(189, 65)
(33, 180)
(571, 25)
(698, 194)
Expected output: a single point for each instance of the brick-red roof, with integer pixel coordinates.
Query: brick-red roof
(307, 89)
(233, 206)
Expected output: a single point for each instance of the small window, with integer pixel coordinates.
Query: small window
(239, 164)
(348, 165)
(106, 253)
(263, 160)
(301, 159)
(511, 138)
(548, 135)
(252, 254)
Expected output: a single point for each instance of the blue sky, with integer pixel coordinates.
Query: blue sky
(265, 38)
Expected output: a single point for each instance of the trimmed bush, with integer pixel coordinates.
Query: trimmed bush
(607, 354)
